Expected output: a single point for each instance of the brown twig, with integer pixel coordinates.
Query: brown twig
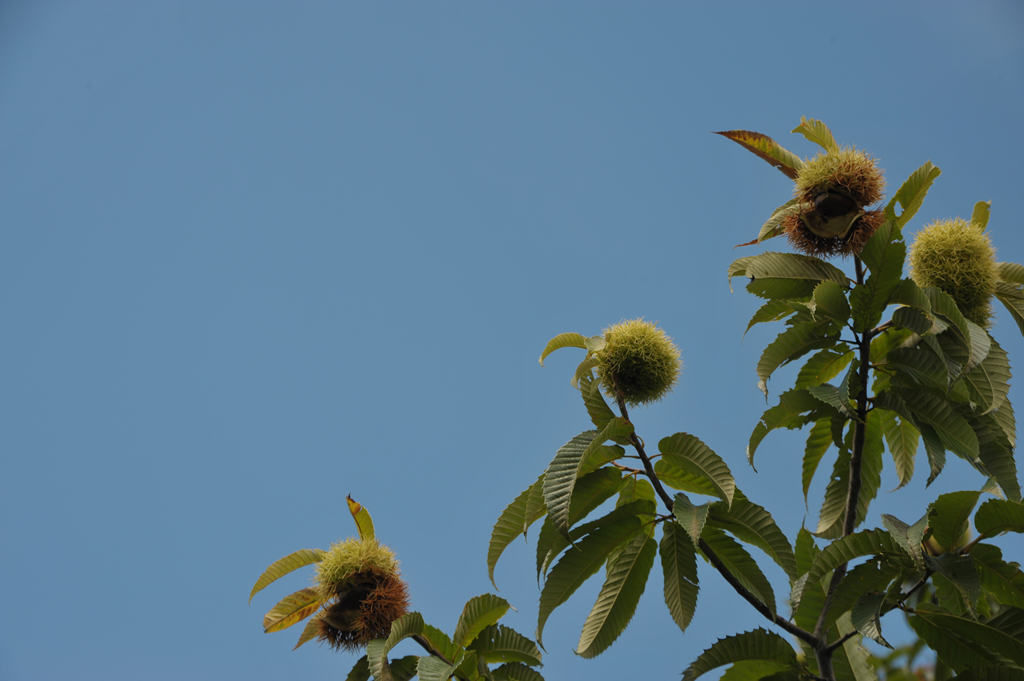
(712, 557)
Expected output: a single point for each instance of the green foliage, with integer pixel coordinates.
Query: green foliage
(884, 363)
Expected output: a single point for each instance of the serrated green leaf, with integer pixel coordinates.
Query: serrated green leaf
(1003, 580)
(865, 616)
(752, 524)
(981, 635)
(772, 311)
(889, 340)
(865, 543)
(410, 624)
(989, 382)
(516, 671)
(996, 516)
(563, 340)
(884, 255)
(280, 568)
(830, 300)
(805, 550)
(768, 149)
(917, 367)
(829, 394)
(599, 411)
(851, 660)
(911, 194)
(598, 457)
(961, 573)
(679, 565)
(690, 517)
(793, 344)
(432, 668)
(1012, 299)
(442, 644)
(996, 455)
(360, 672)
(819, 439)
(583, 370)
(945, 307)
(873, 575)
(1004, 418)
(310, 631)
(949, 517)
(555, 543)
(753, 645)
(953, 650)
(823, 366)
(591, 491)
(636, 489)
(292, 609)
(1010, 621)
(788, 413)
(992, 674)
(981, 345)
(576, 567)
(560, 476)
(480, 612)
(497, 643)
(979, 216)
(404, 668)
(740, 564)
(817, 132)
(956, 434)
(616, 603)
(689, 453)
(910, 294)
(832, 517)
(675, 476)
(902, 438)
(786, 289)
(535, 508)
(912, 319)
(909, 537)
(773, 265)
(512, 523)
(756, 670)
(935, 450)
(1011, 272)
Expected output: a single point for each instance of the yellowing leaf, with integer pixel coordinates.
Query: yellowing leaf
(768, 149)
(362, 517)
(292, 609)
(292, 561)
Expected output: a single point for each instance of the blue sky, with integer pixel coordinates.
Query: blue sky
(258, 256)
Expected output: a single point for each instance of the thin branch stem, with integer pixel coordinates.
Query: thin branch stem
(823, 652)
(638, 445)
(425, 644)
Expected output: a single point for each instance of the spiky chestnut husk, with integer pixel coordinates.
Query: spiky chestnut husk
(352, 556)
(958, 258)
(849, 172)
(640, 360)
(362, 609)
(851, 242)
(359, 582)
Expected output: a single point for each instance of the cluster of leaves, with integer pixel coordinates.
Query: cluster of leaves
(477, 643)
(888, 365)
(924, 375)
